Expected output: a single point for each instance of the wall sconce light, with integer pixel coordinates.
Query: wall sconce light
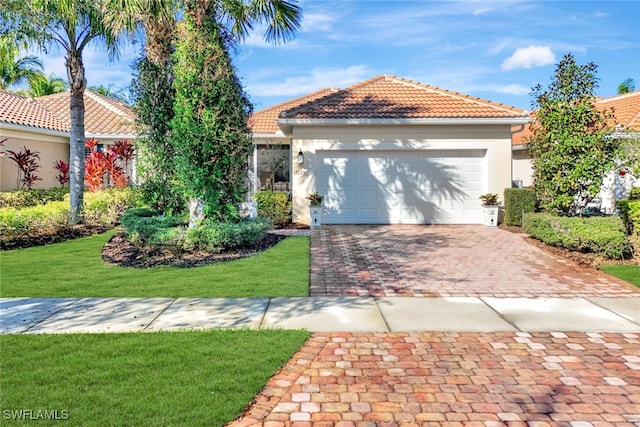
(300, 158)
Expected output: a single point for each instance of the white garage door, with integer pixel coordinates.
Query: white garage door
(401, 187)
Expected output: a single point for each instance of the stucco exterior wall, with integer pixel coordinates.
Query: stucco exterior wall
(51, 148)
(522, 169)
(495, 139)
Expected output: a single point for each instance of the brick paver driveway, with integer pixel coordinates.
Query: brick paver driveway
(445, 260)
(575, 379)
(456, 379)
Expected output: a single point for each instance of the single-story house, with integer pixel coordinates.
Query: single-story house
(42, 124)
(386, 150)
(392, 150)
(617, 184)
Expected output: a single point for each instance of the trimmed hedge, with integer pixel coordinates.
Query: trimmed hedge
(27, 198)
(105, 207)
(33, 220)
(102, 208)
(274, 206)
(517, 200)
(630, 215)
(603, 236)
(146, 228)
(218, 237)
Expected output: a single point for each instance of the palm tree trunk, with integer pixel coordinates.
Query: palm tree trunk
(78, 83)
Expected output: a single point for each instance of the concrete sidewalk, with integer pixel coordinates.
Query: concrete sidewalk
(321, 314)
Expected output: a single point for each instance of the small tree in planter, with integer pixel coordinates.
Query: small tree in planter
(315, 209)
(490, 205)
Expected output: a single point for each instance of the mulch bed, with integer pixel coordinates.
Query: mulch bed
(122, 252)
(62, 235)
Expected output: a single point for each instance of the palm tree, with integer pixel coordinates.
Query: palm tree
(71, 25)
(110, 91)
(43, 85)
(15, 70)
(152, 89)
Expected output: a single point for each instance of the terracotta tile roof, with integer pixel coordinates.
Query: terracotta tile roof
(626, 109)
(102, 115)
(390, 97)
(264, 121)
(626, 112)
(20, 110)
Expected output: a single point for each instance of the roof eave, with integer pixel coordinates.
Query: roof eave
(287, 124)
(111, 135)
(33, 129)
(277, 134)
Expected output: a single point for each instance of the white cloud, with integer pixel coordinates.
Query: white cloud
(480, 11)
(317, 79)
(312, 22)
(529, 57)
(514, 89)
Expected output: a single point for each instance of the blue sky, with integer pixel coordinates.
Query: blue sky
(495, 50)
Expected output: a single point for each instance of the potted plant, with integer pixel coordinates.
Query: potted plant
(315, 208)
(490, 209)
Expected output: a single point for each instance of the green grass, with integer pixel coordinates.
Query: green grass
(140, 379)
(75, 269)
(628, 273)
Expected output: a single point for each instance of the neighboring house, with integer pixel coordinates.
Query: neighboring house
(626, 120)
(42, 124)
(391, 150)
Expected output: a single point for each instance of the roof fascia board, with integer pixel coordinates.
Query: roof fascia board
(111, 135)
(279, 135)
(33, 129)
(432, 121)
(287, 124)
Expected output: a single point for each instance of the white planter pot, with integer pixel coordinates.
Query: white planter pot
(490, 215)
(315, 214)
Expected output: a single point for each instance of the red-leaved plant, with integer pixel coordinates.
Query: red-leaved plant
(27, 162)
(63, 172)
(125, 150)
(103, 167)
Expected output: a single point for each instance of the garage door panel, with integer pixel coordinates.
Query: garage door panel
(401, 187)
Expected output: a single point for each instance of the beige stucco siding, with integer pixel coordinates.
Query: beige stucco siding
(51, 148)
(495, 140)
(522, 167)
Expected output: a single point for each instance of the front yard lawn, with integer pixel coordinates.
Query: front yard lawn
(75, 269)
(139, 379)
(628, 273)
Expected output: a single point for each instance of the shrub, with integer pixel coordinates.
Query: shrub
(274, 206)
(102, 209)
(163, 196)
(105, 207)
(33, 220)
(144, 226)
(634, 194)
(630, 215)
(27, 163)
(25, 198)
(219, 237)
(603, 236)
(517, 200)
